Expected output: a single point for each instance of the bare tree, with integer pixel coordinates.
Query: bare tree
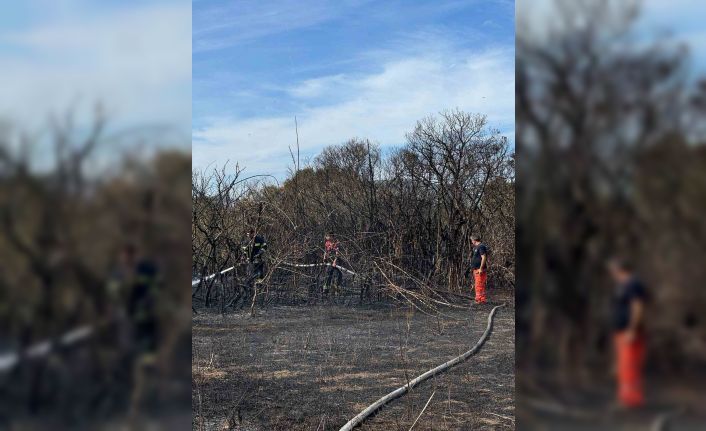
(404, 221)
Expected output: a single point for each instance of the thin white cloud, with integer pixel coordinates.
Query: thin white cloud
(237, 22)
(318, 87)
(382, 106)
(227, 25)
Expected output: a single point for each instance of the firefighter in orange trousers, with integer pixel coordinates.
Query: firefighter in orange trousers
(331, 251)
(628, 309)
(479, 266)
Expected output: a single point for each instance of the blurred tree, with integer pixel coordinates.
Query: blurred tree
(593, 104)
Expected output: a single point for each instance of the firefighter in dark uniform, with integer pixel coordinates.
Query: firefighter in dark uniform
(138, 278)
(117, 351)
(134, 283)
(479, 266)
(256, 247)
(142, 306)
(142, 311)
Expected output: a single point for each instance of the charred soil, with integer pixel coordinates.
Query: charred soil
(315, 367)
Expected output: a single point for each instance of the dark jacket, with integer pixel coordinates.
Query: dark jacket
(257, 247)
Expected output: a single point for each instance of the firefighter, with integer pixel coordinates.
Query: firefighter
(331, 250)
(116, 352)
(142, 306)
(256, 255)
(479, 266)
(133, 284)
(629, 337)
(138, 277)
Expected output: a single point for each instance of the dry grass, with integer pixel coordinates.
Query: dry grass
(307, 368)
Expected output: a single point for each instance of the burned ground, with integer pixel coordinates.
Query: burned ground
(672, 403)
(302, 368)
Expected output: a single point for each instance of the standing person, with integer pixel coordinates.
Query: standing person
(257, 247)
(479, 266)
(140, 275)
(142, 305)
(331, 247)
(628, 309)
(133, 290)
(119, 341)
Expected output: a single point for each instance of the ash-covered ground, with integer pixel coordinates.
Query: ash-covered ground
(315, 367)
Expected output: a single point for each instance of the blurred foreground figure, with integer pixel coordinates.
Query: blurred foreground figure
(629, 305)
(137, 278)
(142, 310)
(142, 305)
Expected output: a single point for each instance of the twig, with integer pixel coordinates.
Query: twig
(503, 417)
(422, 412)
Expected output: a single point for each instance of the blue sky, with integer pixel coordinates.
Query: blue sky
(680, 21)
(351, 68)
(132, 56)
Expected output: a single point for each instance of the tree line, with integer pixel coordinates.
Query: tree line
(403, 217)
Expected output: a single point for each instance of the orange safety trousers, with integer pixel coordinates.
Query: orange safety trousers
(630, 358)
(480, 278)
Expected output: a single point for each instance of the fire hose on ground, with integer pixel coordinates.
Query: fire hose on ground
(397, 393)
(296, 265)
(308, 265)
(8, 361)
